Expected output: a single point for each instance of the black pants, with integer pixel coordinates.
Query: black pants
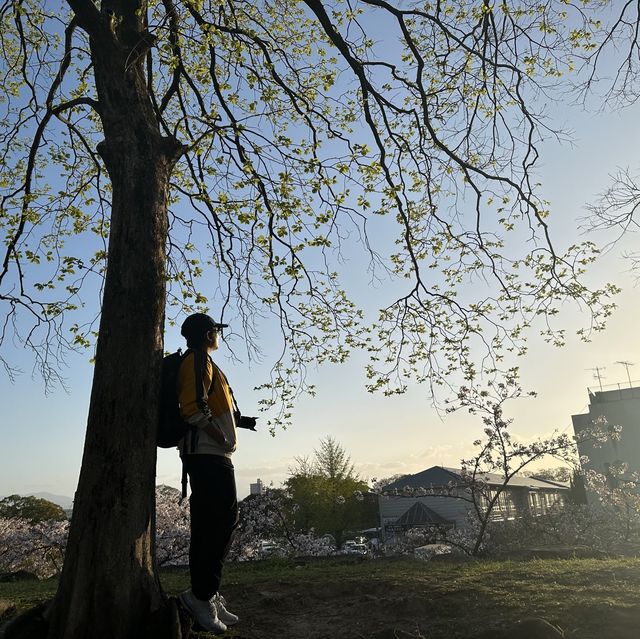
(214, 517)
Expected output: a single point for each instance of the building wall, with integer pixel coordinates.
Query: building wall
(257, 488)
(541, 502)
(512, 503)
(620, 407)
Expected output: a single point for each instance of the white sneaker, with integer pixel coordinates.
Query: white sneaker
(224, 615)
(204, 613)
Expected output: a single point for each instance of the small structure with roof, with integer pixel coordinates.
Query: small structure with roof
(420, 516)
(440, 497)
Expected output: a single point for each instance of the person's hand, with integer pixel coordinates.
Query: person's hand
(247, 422)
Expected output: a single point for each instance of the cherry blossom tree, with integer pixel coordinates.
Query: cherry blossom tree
(499, 452)
(270, 519)
(37, 547)
(173, 530)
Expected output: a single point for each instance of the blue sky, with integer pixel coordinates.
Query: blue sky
(42, 436)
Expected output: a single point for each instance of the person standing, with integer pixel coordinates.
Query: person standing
(208, 406)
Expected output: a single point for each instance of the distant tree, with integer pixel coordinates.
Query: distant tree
(559, 473)
(332, 461)
(31, 509)
(500, 452)
(571, 475)
(269, 518)
(266, 517)
(607, 521)
(379, 484)
(327, 492)
(36, 547)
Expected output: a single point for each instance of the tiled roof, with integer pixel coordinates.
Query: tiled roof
(420, 515)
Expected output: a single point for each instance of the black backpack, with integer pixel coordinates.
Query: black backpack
(171, 427)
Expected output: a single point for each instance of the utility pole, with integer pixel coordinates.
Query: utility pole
(597, 374)
(626, 365)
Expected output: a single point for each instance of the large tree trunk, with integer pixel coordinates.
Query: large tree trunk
(109, 586)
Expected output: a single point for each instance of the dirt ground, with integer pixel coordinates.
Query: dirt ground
(361, 610)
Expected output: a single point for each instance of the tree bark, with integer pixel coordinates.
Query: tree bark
(109, 586)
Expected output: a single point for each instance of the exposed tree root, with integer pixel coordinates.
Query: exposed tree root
(170, 622)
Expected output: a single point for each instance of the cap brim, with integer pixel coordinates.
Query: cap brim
(221, 325)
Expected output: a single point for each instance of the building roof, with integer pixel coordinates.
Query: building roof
(553, 482)
(420, 515)
(442, 476)
(613, 393)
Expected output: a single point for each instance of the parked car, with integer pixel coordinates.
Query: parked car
(269, 549)
(355, 549)
(349, 544)
(431, 550)
(361, 549)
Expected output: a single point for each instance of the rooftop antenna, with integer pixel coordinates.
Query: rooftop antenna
(626, 365)
(597, 374)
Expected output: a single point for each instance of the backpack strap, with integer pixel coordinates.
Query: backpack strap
(185, 480)
(190, 437)
(233, 399)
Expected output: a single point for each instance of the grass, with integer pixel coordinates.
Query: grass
(26, 594)
(457, 599)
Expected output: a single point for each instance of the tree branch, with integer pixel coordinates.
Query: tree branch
(87, 14)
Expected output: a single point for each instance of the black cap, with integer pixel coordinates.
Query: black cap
(196, 325)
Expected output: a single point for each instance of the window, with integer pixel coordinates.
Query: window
(504, 507)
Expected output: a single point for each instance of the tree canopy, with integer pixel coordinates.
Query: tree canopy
(557, 473)
(327, 493)
(31, 509)
(295, 136)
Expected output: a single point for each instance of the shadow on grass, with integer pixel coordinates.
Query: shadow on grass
(580, 599)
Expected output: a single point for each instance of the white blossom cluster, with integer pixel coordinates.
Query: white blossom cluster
(35, 547)
(451, 489)
(264, 523)
(610, 522)
(172, 527)
(408, 541)
(266, 530)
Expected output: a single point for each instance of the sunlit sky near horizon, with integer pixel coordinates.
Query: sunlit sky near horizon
(42, 436)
